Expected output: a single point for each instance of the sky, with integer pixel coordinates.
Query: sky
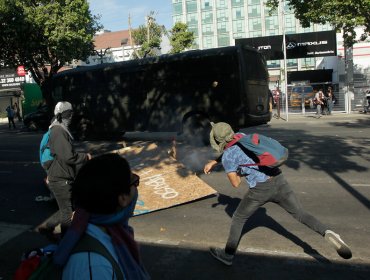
(115, 13)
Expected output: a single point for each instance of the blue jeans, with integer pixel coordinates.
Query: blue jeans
(330, 106)
(276, 190)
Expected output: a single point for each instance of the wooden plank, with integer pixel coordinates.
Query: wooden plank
(164, 182)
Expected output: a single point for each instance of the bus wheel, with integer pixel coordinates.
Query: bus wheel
(196, 129)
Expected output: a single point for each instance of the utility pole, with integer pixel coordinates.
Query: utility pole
(348, 58)
(130, 35)
(285, 64)
(148, 22)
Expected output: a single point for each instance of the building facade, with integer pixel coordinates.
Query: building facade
(218, 23)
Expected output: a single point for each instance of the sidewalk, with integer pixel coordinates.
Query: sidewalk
(311, 117)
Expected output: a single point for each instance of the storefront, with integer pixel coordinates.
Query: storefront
(11, 81)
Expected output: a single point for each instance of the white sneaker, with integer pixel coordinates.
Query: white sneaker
(342, 248)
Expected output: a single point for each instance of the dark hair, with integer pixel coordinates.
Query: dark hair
(99, 183)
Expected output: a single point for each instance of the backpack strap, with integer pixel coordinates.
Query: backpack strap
(87, 243)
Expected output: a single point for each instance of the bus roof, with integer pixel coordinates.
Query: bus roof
(158, 59)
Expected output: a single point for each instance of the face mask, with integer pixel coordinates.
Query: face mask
(120, 217)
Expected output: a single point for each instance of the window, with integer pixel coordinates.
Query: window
(206, 5)
(207, 17)
(269, 12)
(237, 3)
(223, 40)
(251, 2)
(255, 24)
(238, 26)
(290, 21)
(308, 62)
(239, 35)
(177, 8)
(323, 27)
(271, 32)
(208, 42)
(221, 4)
(222, 15)
(222, 27)
(192, 19)
(194, 29)
(191, 7)
(254, 11)
(273, 64)
(290, 30)
(292, 62)
(177, 18)
(307, 29)
(272, 22)
(207, 29)
(238, 13)
(195, 44)
(255, 33)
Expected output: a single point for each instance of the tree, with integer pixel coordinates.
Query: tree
(44, 35)
(148, 37)
(180, 38)
(343, 15)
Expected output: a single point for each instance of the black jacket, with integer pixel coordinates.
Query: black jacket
(66, 163)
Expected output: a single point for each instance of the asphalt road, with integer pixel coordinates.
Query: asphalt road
(328, 168)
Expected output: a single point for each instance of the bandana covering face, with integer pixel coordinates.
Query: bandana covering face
(220, 135)
(122, 235)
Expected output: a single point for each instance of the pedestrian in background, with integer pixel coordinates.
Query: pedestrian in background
(17, 111)
(265, 185)
(62, 170)
(330, 100)
(10, 114)
(104, 196)
(319, 101)
(367, 102)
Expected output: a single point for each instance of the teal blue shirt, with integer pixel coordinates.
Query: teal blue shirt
(77, 267)
(233, 157)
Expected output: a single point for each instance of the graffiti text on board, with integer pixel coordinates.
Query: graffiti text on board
(158, 183)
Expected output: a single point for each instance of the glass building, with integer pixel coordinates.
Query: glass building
(217, 23)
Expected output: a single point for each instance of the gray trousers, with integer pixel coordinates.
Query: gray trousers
(62, 194)
(275, 190)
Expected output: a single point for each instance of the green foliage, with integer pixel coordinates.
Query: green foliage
(148, 37)
(343, 15)
(44, 35)
(180, 38)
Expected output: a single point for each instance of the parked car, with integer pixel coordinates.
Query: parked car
(38, 120)
(297, 93)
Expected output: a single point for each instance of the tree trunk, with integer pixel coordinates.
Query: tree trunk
(46, 90)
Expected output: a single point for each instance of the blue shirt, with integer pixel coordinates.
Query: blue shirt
(77, 266)
(233, 157)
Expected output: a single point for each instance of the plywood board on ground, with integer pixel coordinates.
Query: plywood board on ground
(164, 182)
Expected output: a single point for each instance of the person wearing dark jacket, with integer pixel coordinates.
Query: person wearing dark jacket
(63, 169)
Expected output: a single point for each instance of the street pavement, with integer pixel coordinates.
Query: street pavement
(328, 168)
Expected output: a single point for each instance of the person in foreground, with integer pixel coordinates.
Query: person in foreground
(104, 195)
(62, 170)
(265, 185)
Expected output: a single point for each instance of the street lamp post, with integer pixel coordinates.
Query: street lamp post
(285, 64)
